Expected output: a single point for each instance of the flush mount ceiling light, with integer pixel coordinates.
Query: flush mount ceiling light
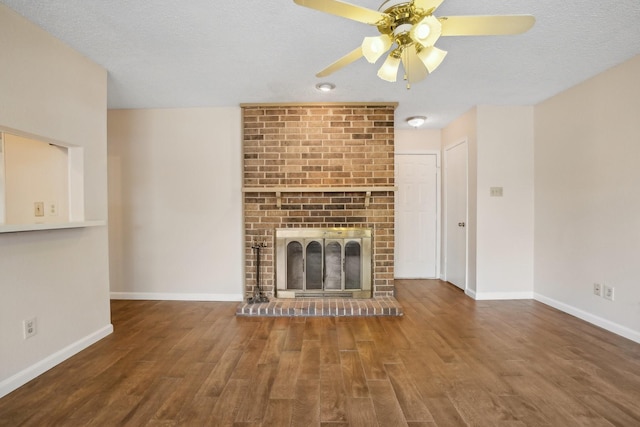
(325, 87)
(410, 30)
(416, 121)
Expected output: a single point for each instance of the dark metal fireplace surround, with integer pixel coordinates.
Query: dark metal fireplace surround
(318, 197)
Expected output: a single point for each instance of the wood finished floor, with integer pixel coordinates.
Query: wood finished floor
(449, 361)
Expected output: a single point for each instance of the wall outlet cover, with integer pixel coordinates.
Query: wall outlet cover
(52, 209)
(495, 191)
(608, 292)
(597, 289)
(30, 327)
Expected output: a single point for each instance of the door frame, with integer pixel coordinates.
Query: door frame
(438, 243)
(445, 151)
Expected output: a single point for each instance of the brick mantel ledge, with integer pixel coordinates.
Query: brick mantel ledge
(333, 189)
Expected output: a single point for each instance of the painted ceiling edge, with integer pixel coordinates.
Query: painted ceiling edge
(320, 104)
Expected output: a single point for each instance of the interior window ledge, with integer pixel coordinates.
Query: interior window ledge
(15, 228)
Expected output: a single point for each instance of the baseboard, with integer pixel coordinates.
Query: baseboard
(591, 318)
(160, 296)
(26, 375)
(486, 296)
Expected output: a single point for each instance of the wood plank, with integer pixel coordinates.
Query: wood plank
(329, 348)
(245, 368)
(183, 393)
(443, 411)
(254, 404)
(388, 410)
(286, 376)
(313, 328)
(372, 363)
(150, 402)
(306, 405)
(279, 412)
(346, 340)
(353, 374)
(310, 360)
(220, 374)
(407, 393)
(273, 347)
(228, 404)
(362, 413)
(332, 395)
(196, 413)
(295, 332)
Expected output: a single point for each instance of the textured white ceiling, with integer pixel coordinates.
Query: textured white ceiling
(194, 53)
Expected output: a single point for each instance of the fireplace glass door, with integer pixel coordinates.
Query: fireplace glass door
(319, 262)
(324, 264)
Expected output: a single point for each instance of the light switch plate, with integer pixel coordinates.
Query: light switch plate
(38, 208)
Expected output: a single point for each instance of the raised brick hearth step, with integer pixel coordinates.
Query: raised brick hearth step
(384, 306)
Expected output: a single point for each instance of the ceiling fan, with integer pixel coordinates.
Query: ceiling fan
(411, 29)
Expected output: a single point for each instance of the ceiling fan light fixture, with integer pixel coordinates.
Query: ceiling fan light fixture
(426, 31)
(432, 57)
(416, 121)
(325, 87)
(374, 47)
(422, 31)
(411, 26)
(389, 70)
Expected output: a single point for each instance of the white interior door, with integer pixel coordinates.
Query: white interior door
(455, 182)
(416, 231)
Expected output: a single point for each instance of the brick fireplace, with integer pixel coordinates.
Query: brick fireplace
(318, 166)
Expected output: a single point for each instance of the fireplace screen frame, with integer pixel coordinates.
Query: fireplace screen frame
(332, 285)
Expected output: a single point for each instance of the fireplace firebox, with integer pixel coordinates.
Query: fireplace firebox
(323, 262)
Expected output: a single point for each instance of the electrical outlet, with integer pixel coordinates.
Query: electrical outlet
(608, 292)
(30, 327)
(52, 209)
(597, 289)
(38, 208)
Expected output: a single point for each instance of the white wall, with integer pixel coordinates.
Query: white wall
(175, 193)
(465, 128)
(500, 229)
(417, 141)
(587, 200)
(504, 268)
(60, 276)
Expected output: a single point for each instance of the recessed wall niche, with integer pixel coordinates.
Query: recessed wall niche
(41, 181)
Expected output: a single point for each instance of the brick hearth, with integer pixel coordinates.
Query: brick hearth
(381, 306)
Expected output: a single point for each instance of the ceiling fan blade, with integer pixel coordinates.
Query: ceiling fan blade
(427, 4)
(350, 57)
(346, 10)
(486, 25)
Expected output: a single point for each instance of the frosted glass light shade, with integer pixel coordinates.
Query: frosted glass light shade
(432, 57)
(374, 47)
(389, 70)
(427, 31)
(325, 87)
(422, 31)
(416, 121)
